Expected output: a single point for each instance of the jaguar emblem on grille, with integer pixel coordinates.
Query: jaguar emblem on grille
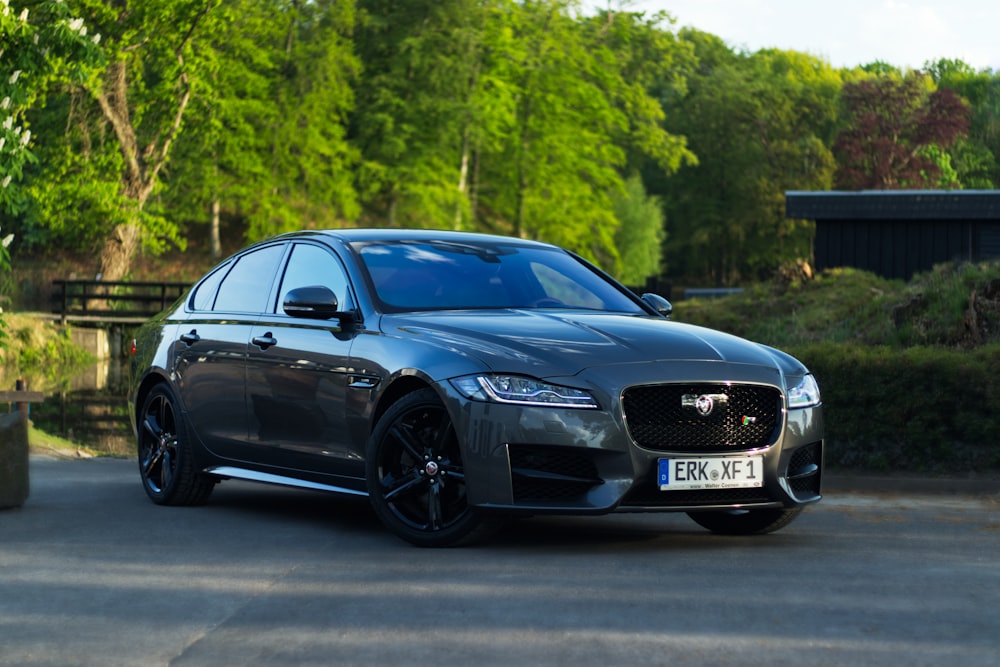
(704, 404)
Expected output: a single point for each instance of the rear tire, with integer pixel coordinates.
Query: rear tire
(166, 462)
(745, 522)
(416, 477)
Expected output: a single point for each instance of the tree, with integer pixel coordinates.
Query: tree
(506, 116)
(974, 156)
(891, 127)
(760, 125)
(312, 165)
(555, 172)
(220, 162)
(426, 103)
(266, 142)
(562, 161)
(38, 45)
(640, 234)
(121, 124)
(143, 94)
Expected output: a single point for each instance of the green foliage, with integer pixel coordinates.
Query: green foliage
(484, 115)
(4, 269)
(975, 158)
(39, 349)
(310, 175)
(640, 233)
(108, 132)
(265, 133)
(75, 205)
(39, 44)
(921, 409)
(853, 306)
(509, 116)
(422, 105)
(760, 125)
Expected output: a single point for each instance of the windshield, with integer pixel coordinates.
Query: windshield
(436, 275)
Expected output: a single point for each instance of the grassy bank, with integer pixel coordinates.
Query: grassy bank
(46, 444)
(39, 349)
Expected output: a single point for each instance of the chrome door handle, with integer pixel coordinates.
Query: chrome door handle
(265, 341)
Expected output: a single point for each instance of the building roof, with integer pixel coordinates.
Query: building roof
(894, 205)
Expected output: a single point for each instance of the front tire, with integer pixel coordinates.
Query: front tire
(166, 462)
(416, 478)
(745, 522)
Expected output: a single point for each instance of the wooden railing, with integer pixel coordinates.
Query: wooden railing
(105, 301)
(21, 397)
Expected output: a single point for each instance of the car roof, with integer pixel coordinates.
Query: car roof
(377, 234)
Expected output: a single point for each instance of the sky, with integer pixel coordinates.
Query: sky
(846, 33)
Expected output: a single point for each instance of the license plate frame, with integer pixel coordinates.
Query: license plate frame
(699, 473)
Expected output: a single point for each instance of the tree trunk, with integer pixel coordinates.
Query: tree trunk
(393, 200)
(463, 184)
(216, 238)
(474, 190)
(116, 256)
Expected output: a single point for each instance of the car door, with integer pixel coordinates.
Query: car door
(297, 369)
(212, 349)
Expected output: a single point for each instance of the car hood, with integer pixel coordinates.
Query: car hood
(547, 343)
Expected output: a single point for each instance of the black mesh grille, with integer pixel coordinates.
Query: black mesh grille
(803, 461)
(702, 417)
(548, 473)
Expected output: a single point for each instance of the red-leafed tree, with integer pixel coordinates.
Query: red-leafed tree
(895, 132)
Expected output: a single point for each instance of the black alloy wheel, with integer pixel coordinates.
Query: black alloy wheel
(166, 464)
(745, 522)
(416, 480)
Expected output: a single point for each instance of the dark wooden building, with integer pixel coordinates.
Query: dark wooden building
(896, 233)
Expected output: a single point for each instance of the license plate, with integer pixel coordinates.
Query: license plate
(720, 472)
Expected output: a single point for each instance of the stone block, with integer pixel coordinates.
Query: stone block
(94, 341)
(13, 459)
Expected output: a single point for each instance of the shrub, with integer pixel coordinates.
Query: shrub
(922, 409)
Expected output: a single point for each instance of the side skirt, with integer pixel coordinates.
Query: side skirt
(232, 472)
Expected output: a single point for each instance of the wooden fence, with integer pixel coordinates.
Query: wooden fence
(106, 301)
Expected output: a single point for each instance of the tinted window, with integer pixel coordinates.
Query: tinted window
(311, 265)
(204, 294)
(246, 286)
(560, 287)
(441, 275)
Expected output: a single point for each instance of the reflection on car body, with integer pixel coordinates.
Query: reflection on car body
(460, 379)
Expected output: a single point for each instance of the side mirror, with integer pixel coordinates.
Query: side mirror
(316, 302)
(658, 303)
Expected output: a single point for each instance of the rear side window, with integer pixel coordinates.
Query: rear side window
(204, 295)
(245, 288)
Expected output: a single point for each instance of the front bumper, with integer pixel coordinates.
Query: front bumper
(536, 460)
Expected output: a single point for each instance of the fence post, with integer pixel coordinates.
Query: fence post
(22, 406)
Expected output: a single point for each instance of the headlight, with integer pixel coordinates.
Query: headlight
(520, 390)
(804, 394)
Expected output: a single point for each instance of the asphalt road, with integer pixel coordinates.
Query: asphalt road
(92, 573)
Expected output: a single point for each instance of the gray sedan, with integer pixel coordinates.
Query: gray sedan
(459, 379)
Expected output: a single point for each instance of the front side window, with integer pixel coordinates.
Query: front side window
(311, 265)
